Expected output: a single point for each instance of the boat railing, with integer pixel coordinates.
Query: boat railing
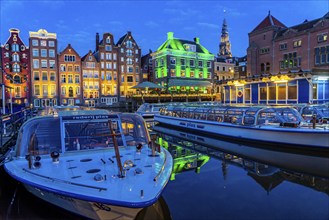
(161, 169)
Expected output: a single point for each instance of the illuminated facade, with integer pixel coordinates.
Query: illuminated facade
(107, 56)
(223, 70)
(15, 69)
(183, 66)
(90, 79)
(129, 63)
(69, 83)
(285, 64)
(44, 73)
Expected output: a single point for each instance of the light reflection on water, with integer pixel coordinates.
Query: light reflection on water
(238, 182)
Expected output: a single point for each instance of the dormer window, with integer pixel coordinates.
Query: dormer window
(190, 47)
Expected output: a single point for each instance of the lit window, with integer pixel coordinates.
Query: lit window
(322, 38)
(44, 76)
(52, 76)
(298, 43)
(36, 76)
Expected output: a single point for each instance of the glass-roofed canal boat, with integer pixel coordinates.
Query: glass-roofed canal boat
(94, 163)
(271, 125)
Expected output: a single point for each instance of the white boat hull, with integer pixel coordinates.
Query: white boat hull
(87, 209)
(301, 137)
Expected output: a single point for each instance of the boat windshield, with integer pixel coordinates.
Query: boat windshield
(47, 134)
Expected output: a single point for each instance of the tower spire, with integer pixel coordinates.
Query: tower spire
(225, 45)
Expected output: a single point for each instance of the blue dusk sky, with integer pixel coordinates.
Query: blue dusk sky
(77, 22)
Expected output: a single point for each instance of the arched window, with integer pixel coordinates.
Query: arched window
(15, 48)
(17, 79)
(15, 57)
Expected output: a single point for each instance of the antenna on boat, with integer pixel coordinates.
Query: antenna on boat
(116, 148)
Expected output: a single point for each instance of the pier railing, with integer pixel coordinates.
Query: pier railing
(9, 126)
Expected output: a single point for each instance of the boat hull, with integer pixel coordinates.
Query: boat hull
(83, 208)
(297, 137)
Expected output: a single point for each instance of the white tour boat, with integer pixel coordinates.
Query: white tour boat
(148, 110)
(267, 125)
(94, 163)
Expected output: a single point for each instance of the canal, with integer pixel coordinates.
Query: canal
(214, 179)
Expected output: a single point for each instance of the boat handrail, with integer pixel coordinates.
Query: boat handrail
(162, 168)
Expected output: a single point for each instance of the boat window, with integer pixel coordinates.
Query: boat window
(89, 135)
(39, 137)
(248, 120)
(134, 130)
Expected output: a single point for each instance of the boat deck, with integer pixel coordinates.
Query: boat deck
(93, 175)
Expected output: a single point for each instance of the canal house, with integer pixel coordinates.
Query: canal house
(183, 66)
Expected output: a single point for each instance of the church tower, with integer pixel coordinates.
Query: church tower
(225, 45)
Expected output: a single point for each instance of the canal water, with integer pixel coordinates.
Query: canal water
(214, 179)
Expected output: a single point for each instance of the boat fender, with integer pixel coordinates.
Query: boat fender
(55, 156)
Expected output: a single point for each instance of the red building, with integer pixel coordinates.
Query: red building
(15, 69)
(275, 48)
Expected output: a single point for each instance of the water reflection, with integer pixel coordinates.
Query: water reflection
(267, 167)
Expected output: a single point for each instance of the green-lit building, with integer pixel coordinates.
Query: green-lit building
(183, 66)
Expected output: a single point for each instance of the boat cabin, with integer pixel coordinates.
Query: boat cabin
(239, 115)
(78, 130)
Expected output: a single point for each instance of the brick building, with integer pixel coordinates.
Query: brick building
(15, 69)
(285, 64)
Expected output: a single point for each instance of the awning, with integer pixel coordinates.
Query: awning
(189, 82)
(148, 85)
